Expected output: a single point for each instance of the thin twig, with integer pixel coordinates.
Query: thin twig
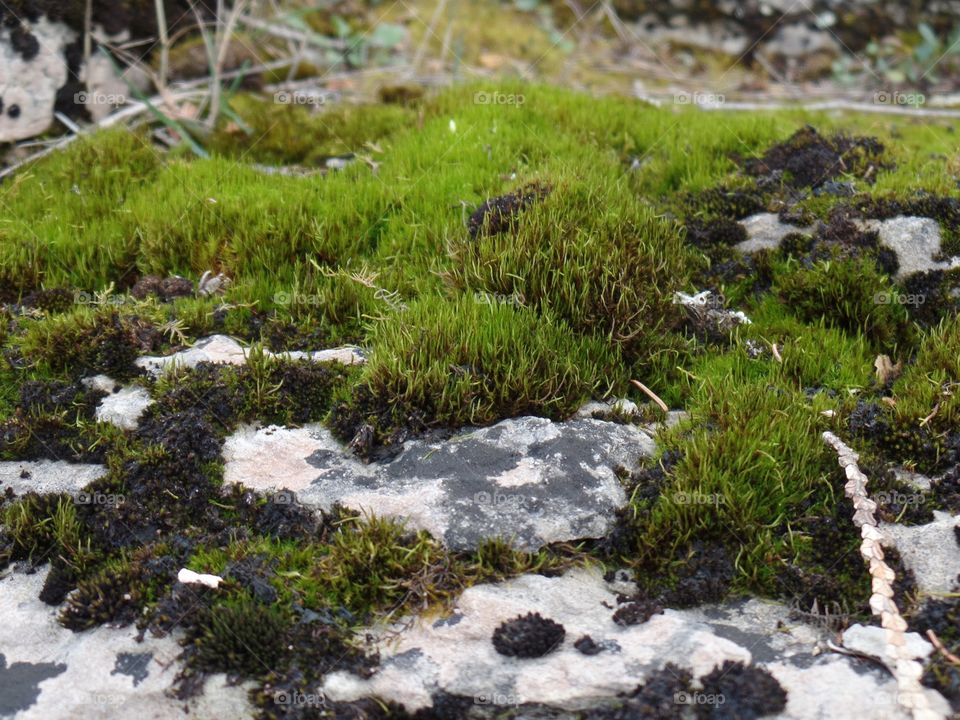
(652, 395)
(164, 45)
(939, 646)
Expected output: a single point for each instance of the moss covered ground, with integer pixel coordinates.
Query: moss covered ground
(495, 259)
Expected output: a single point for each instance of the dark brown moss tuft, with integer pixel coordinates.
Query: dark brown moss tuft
(528, 636)
(748, 692)
(808, 159)
(498, 214)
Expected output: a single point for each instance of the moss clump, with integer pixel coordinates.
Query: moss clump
(589, 254)
(747, 691)
(110, 595)
(636, 612)
(809, 159)
(90, 180)
(528, 636)
(452, 363)
(47, 527)
(240, 636)
(851, 295)
(89, 341)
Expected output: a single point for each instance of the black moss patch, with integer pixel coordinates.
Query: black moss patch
(498, 214)
(372, 426)
(747, 692)
(946, 491)
(724, 202)
(53, 300)
(663, 695)
(809, 159)
(109, 345)
(636, 612)
(703, 574)
(722, 231)
(587, 646)
(528, 636)
(317, 648)
(40, 397)
(828, 579)
(166, 289)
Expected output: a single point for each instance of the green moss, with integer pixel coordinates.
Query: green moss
(46, 527)
(288, 130)
(591, 254)
(68, 209)
(464, 323)
(240, 636)
(471, 360)
(851, 295)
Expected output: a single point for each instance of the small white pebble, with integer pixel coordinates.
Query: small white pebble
(189, 577)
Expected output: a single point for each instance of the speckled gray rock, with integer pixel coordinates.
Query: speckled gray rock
(28, 87)
(50, 673)
(930, 550)
(456, 654)
(122, 406)
(47, 476)
(872, 640)
(224, 349)
(528, 479)
(916, 241)
(765, 231)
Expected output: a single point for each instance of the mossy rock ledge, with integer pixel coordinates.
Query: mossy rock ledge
(521, 418)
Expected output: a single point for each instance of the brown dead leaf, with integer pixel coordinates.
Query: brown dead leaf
(886, 371)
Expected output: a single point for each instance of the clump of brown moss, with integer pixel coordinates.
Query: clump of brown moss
(528, 636)
(809, 159)
(497, 215)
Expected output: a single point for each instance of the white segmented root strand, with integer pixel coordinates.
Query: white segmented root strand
(906, 669)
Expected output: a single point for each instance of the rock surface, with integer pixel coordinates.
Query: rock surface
(527, 479)
(765, 231)
(49, 672)
(456, 654)
(47, 476)
(930, 551)
(224, 349)
(30, 77)
(122, 406)
(872, 640)
(916, 240)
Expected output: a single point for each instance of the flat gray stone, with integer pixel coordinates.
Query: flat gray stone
(528, 479)
(420, 656)
(50, 673)
(47, 476)
(765, 231)
(872, 640)
(915, 240)
(930, 550)
(122, 406)
(224, 349)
